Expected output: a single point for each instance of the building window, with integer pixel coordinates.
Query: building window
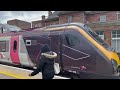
(103, 18)
(116, 40)
(117, 15)
(69, 19)
(100, 34)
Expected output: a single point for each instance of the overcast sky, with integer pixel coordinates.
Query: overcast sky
(21, 15)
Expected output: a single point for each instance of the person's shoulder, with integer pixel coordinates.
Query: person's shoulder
(50, 53)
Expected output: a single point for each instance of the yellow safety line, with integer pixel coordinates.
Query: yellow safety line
(9, 74)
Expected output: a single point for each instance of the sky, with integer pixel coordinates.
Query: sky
(21, 15)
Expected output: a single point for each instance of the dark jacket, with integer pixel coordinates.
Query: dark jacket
(46, 65)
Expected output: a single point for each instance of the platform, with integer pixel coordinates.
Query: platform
(9, 72)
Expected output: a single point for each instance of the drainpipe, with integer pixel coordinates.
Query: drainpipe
(117, 15)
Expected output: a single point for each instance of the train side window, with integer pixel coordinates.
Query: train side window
(2, 46)
(15, 45)
(71, 40)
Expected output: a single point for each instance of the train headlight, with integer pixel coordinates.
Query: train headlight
(114, 64)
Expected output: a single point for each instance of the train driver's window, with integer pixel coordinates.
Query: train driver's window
(15, 45)
(71, 40)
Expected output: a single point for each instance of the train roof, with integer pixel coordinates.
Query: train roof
(38, 30)
(66, 24)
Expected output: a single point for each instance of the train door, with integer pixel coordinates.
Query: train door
(56, 46)
(14, 49)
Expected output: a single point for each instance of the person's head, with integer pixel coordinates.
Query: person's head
(45, 48)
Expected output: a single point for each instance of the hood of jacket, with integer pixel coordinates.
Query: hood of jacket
(50, 55)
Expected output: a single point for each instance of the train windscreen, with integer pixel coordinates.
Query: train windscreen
(95, 36)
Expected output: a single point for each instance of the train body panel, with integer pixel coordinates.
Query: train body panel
(23, 53)
(79, 49)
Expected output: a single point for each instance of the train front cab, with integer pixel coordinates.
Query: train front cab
(84, 54)
(108, 54)
(107, 51)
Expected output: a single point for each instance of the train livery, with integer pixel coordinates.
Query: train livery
(81, 52)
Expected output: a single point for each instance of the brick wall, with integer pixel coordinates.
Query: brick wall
(111, 15)
(106, 28)
(76, 17)
(37, 24)
(19, 23)
(51, 23)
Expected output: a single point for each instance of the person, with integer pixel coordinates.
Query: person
(46, 65)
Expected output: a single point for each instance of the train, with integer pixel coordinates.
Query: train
(82, 54)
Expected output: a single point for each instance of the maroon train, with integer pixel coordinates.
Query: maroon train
(79, 55)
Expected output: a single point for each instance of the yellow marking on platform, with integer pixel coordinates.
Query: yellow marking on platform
(17, 73)
(9, 74)
(18, 76)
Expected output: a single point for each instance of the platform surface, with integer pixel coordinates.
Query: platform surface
(9, 72)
